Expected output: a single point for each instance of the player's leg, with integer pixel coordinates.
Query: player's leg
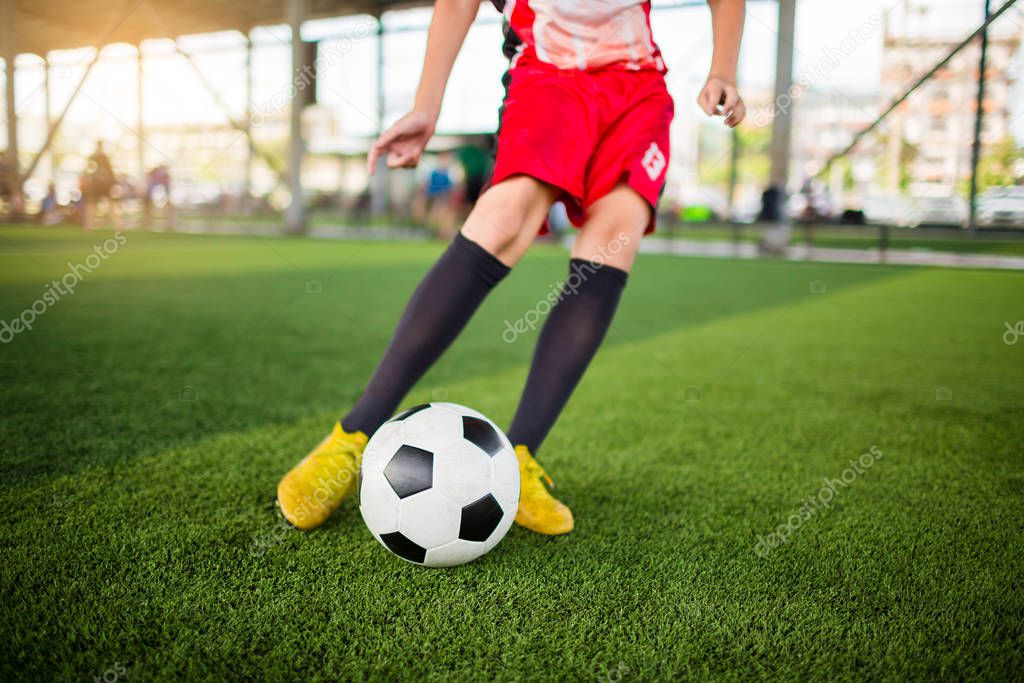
(534, 156)
(611, 234)
(601, 260)
(494, 237)
(624, 177)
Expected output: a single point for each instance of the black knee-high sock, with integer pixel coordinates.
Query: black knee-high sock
(440, 307)
(570, 338)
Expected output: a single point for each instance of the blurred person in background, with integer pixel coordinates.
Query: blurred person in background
(158, 194)
(5, 183)
(476, 170)
(97, 185)
(158, 186)
(440, 194)
(49, 210)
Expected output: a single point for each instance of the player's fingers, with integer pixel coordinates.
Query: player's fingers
(397, 153)
(389, 136)
(395, 159)
(384, 142)
(710, 98)
(737, 115)
(371, 159)
(702, 100)
(404, 158)
(729, 99)
(403, 162)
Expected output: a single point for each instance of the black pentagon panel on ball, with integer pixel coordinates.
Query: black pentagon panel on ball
(481, 434)
(410, 471)
(408, 412)
(480, 518)
(404, 548)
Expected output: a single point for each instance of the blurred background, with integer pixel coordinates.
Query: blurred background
(872, 125)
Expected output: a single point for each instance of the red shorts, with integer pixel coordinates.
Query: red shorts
(585, 132)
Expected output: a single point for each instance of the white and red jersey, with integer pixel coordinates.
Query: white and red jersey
(581, 34)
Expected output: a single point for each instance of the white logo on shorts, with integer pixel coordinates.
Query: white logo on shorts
(653, 161)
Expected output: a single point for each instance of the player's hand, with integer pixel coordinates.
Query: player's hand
(403, 142)
(720, 98)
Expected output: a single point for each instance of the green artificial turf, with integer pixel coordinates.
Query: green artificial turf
(148, 417)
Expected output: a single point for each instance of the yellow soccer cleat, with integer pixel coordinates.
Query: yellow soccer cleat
(538, 510)
(314, 488)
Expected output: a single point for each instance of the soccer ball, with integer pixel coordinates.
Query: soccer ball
(439, 485)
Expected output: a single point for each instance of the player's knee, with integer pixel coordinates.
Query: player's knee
(613, 229)
(494, 224)
(623, 211)
(508, 213)
(617, 230)
(510, 203)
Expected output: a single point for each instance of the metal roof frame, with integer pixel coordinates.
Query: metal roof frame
(40, 26)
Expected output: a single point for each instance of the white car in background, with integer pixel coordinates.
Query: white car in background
(1001, 206)
(886, 209)
(950, 210)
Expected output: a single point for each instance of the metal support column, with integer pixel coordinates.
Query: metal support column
(979, 115)
(51, 160)
(9, 55)
(734, 163)
(782, 121)
(140, 141)
(249, 149)
(380, 183)
(296, 214)
(140, 127)
(775, 240)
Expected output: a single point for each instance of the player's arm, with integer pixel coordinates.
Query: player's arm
(404, 142)
(719, 96)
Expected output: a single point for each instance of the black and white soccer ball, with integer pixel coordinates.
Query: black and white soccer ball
(439, 485)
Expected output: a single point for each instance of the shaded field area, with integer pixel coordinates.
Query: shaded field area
(148, 416)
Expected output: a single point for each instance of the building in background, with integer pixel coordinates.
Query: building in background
(927, 140)
(827, 120)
